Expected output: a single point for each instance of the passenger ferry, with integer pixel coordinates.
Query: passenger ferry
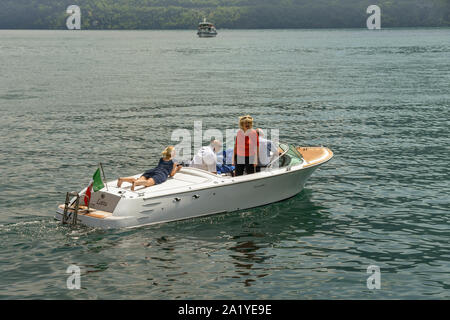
(206, 29)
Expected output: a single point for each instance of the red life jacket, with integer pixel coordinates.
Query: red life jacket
(247, 143)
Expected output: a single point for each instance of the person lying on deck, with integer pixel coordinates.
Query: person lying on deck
(166, 167)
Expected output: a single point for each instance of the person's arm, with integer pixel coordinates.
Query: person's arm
(257, 150)
(234, 152)
(175, 169)
(211, 161)
(212, 168)
(273, 148)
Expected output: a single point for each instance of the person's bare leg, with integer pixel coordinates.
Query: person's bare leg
(143, 182)
(126, 179)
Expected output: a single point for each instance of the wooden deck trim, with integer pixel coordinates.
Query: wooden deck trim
(94, 213)
(313, 155)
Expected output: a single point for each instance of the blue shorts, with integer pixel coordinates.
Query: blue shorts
(156, 175)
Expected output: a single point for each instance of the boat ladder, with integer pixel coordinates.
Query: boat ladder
(67, 205)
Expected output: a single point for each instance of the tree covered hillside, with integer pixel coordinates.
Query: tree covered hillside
(185, 14)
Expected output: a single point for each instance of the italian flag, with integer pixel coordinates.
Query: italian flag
(96, 184)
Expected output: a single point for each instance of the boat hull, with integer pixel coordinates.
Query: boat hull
(206, 34)
(197, 203)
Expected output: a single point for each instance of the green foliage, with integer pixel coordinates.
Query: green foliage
(185, 14)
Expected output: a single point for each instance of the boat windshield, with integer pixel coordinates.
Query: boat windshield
(295, 156)
(289, 155)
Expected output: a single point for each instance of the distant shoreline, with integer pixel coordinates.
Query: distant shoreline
(236, 29)
(229, 14)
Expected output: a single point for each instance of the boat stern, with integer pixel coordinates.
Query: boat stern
(100, 212)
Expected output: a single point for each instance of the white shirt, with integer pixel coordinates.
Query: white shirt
(205, 159)
(265, 148)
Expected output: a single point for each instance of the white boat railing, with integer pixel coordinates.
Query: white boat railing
(275, 159)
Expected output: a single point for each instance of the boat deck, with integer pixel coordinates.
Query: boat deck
(315, 155)
(83, 211)
(185, 178)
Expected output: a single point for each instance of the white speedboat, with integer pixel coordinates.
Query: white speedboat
(195, 193)
(206, 29)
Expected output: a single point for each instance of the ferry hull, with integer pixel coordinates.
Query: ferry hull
(206, 35)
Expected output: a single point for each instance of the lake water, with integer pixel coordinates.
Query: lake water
(379, 99)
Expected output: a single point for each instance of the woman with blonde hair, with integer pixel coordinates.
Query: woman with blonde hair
(246, 147)
(165, 168)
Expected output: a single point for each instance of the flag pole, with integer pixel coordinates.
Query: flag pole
(104, 177)
(89, 203)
